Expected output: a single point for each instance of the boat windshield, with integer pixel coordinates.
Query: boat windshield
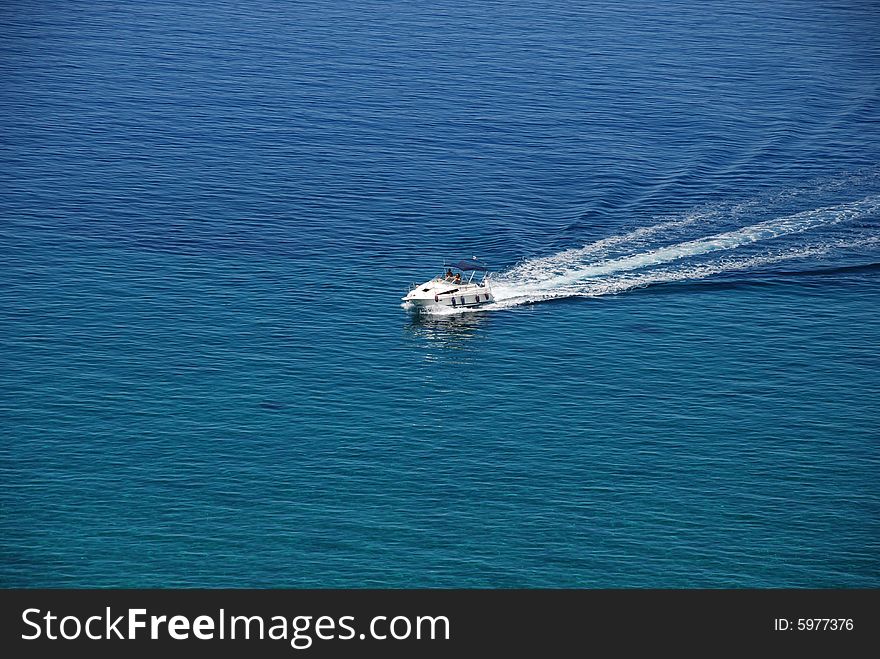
(456, 274)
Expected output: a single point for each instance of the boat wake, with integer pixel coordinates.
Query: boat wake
(690, 247)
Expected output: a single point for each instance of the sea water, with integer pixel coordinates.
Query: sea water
(209, 214)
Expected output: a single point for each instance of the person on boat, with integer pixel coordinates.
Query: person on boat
(457, 277)
(448, 273)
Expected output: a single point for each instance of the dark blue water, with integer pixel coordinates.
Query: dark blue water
(209, 213)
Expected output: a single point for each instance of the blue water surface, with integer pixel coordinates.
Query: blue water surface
(209, 213)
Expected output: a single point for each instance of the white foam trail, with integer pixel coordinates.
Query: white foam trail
(623, 282)
(565, 267)
(547, 265)
(666, 231)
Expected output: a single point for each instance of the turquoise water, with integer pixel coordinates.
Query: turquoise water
(208, 216)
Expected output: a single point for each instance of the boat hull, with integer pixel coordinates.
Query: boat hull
(440, 293)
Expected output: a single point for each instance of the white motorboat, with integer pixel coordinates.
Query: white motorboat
(455, 287)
